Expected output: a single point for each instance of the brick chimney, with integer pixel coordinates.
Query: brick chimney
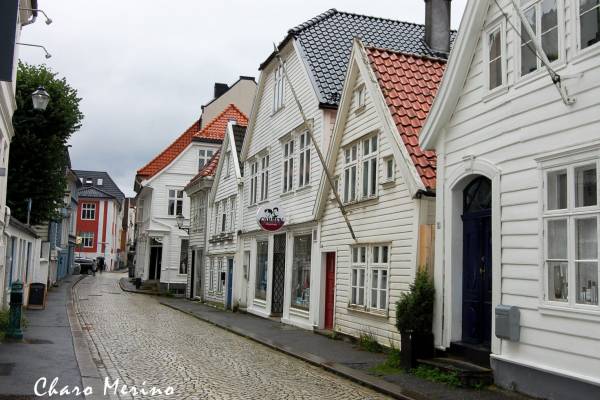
(220, 88)
(437, 25)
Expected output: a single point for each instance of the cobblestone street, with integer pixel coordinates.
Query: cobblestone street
(142, 343)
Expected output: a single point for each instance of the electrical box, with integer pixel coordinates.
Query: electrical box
(508, 323)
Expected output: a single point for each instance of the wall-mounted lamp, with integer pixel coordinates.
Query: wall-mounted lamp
(180, 220)
(48, 55)
(40, 99)
(37, 10)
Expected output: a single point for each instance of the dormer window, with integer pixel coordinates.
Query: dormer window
(203, 157)
(100, 181)
(89, 181)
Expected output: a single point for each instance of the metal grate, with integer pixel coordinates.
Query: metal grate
(279, 242)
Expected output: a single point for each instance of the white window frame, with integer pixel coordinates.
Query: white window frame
(227, 164)
(220, 284)
(594, 48)
(88, 211)
(278, 88)
(388, 162)
(253, 181)
(176, 199)
(380, 264)
(360, 97)
(232, 211)
(569, 162)
(204, 159)
(367, 163)
(264, 178)
(211, 277)
(350, 174)
(85, 236)
(503, 53)
(373, 261)
(287, 178)
(358, 265)
(304, 164)
(223, 215)
(537, 4)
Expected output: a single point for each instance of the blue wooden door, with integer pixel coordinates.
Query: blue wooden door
(229, 281)
(477, 264)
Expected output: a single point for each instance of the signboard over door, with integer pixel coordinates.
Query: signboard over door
(270, 217)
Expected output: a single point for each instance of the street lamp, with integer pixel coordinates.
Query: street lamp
(180, 220)
(40, 99)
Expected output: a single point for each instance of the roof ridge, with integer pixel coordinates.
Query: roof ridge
(405, 53)
(313, 21)
(221, 114)
(386, 19)
(97, 189)
(187, 131)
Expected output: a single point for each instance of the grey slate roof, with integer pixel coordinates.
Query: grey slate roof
(239, 132)
(326, 44)
(108, 187)
(90, 192)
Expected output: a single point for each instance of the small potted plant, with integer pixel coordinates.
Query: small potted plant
(414, 319)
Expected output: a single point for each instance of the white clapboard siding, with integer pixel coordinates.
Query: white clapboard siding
(510, 131)
(393, 218)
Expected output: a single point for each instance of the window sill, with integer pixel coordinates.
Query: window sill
(538, 74)
(497, 92)
(360, 109)
(366, 311)
(569, 312)
(303, 188)
(275, 112)
(300, 312)
(586, 54)
(362, 202)
(388, 183)
(287, 194)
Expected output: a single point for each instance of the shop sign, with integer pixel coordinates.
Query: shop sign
(270, 217)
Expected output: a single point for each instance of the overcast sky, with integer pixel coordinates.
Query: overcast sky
(144, 68)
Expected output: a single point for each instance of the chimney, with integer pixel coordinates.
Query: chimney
(437, 25)
(220, 88)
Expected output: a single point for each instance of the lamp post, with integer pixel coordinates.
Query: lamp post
(40, 99)
(180, 220)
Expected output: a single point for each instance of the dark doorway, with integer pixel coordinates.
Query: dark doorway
(193, 274)
(279, 242)
(477, 263)
(155, 262)
(229, 283)
(329, 290)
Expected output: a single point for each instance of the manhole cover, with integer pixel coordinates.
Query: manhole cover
(6, 368)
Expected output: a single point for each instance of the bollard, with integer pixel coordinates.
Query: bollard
(16, 303)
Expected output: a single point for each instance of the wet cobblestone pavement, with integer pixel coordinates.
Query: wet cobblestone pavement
(141, 343)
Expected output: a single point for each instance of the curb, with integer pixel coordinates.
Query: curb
(87, 367)
(366, 380)
(123, 288)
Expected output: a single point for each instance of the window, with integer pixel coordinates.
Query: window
(175, 202)
(100, 182)
(87, 240)
(203, 157)
(288, 166)
(495, 61)
(264, 178)
(589, 21)
(227, 165)
(224, 211)
(301, 271)
(358, 267)
(304, 160)
(216, 213)
(262, 256)
(197, 220)
(571, 216)
(543, 19)
(253, 181)
(211, 278)
(360, 96)
(88, 211)
(370, 268)
(89, 181)
(369, 167)
(278, 88)
(220, 276)
(389, 166)
(232, 211)
(183, 256)
(350, 166)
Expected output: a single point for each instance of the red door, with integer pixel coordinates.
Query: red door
(329, 290)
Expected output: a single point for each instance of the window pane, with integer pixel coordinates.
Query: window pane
(390, 169)
(528, 59)
(494, 45)
(557, 190)
(180, 194)
(366, 147)
(495, 73)
(262, 250)
(549, 15)
(376, 254)
(373, 187)
(550, 44)
(346, 185)
(374, 143)
(354, 277)
(557, 239)
(301, 271)
(558, 289)
(530, 15)
(363, 255)
(353, 183)
(374, 298)
(590, 23)
(171, 207)
(365, 179)
(171, 193)
(586, 239)
(384, 256)
(383, 291)
(202, 153)
(587, 283)
(361, 278)
(585, 186)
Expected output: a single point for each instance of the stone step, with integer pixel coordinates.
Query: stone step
(469, 374)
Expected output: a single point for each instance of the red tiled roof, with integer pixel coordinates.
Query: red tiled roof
(208, 170)
(215, 130)
(409, 84)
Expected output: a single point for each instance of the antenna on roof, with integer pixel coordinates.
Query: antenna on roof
(330, 179)
(538, 51)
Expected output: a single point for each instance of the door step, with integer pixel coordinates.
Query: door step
(469, 374)
(479, 355)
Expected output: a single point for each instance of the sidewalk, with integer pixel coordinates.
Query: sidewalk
(47, 349)
(337, 356)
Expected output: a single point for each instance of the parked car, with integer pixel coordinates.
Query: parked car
(85, 264)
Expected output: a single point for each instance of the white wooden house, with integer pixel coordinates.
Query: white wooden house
(286, 276)
(223, 272)
(386, 184)
(517, 195)
(162, 253)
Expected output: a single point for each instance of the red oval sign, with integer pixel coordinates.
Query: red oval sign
(270, 217)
